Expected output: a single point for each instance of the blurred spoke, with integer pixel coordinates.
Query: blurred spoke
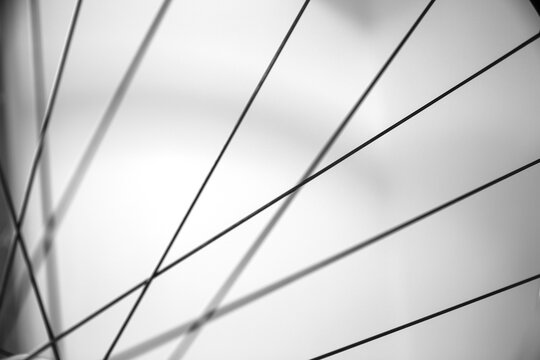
(227, 285)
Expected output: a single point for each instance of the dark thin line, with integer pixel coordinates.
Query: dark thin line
(91, 149)
(428, 317)
(207, 178)
(66, 199)
(222, 292)
(48, 112)
(86, 319)
(346, 156)
(293, 189)
(45, 123)
(45, 176)
(351, 250)
(24, 251)
(288, 280)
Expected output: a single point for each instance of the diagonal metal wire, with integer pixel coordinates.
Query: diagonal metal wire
(48, 112)
(42, 137)
(428, 317)
(288, 192)
(75, 180)
(346, 156)
(20, 241)
(208, 176)
(309, 270)
(227, 285)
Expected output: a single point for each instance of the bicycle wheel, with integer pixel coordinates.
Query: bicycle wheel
(185, 96)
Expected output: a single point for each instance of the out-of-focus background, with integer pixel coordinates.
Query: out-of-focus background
(199, 72)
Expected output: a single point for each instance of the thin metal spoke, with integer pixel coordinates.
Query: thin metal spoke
(66, 199)
(428, 317)
(361, 245)
(207, 178)
(48, 113)
(20, 241)
(45, 176)
(227, 285)
(290, 191)
(45, 124)
(320, 265)
(346, 156)
(156, 341)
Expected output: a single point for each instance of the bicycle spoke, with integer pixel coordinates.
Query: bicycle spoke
(290, 191)
(76, 178)
(48, 113)
(346, 156)
(66, 199)
(207, 178)
(428, 317)
(45, 175)
(227, 285)
(309, 270)
(45, 123)
(20, 241)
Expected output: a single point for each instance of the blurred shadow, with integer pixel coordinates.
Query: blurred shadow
(365, 14)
